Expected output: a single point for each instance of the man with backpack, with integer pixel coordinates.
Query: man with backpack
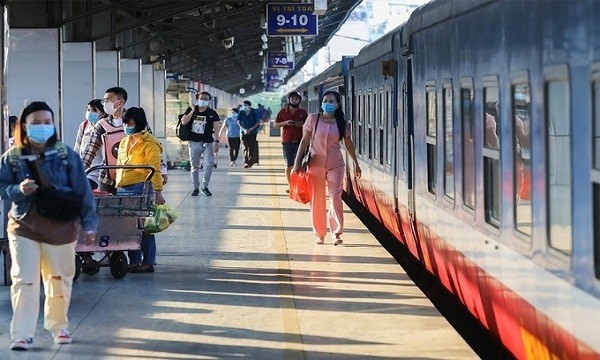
(249, 122)
(197, 127)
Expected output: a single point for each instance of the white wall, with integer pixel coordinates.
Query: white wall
(107, 71)
(33, 69)
(160, 87)
(147, 92)
(130, 80)
(78, 86)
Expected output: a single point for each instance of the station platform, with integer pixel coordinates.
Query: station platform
(239, 276)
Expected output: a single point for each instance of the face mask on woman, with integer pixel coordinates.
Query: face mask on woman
(328, 107)
(92, 117)
(40, 133)
(129, 130)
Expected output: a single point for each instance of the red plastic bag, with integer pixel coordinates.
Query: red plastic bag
(300, 189)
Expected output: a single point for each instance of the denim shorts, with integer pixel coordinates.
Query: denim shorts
(289, 153)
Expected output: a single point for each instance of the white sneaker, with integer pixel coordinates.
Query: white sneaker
(22, 344)
(62, 337)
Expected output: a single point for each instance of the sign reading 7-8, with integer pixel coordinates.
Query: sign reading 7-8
(291, 20)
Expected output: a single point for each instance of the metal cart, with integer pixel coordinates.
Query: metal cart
(120, 228)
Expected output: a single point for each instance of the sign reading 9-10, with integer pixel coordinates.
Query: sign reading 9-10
(291, 20)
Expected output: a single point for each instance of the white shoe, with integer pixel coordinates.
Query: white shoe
(232, 163)
(22, 344)
(62, 337)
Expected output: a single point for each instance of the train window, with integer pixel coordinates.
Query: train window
(361, 130)
(559, 165)
(491, 152)
(431, 137)
(596, 115)
(370, 110)
(448, 141)
(389, 127)
(521, 113)
(382, 119)
(468, 142)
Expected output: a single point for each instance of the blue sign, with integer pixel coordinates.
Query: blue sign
(291, 20)
(278, 60)
(272, 76)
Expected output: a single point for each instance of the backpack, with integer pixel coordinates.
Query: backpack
(183, 131)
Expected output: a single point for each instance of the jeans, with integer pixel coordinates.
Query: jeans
(234, 147)
(148, 240)
(197, 148)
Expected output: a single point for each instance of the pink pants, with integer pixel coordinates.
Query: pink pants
(334, 179)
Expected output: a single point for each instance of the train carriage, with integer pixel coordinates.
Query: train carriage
(476, 127)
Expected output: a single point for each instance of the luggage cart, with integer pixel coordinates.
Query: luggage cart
(120, 228)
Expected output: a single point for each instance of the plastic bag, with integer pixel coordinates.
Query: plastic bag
(164, 216)
(300, 188)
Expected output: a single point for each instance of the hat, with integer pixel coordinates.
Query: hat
(295, 94)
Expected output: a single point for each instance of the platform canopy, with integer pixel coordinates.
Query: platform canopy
(183, 36)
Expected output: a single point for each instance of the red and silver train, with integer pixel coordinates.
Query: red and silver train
(477, 126)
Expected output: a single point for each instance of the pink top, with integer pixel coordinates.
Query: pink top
(326, 147)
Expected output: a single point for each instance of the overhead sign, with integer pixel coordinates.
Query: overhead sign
(271, 76)
(291, 20)
(278, 60)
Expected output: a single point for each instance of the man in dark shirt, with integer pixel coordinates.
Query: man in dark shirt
(200, 121)
(249, 123)
(291, 119)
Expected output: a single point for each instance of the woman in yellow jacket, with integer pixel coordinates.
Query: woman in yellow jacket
(139, 147)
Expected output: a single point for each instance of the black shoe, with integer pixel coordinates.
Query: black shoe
(195, 192)
(140, 269)
(206, 192)
(215, 166)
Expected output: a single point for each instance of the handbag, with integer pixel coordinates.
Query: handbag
(50, 202)
(308, 154)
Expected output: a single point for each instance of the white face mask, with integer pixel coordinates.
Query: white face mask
(109, 108)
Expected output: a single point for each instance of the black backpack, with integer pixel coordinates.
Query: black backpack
(182, 131)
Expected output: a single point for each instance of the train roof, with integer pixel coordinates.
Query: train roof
(338, 69)
(376, 49)
(437, 11)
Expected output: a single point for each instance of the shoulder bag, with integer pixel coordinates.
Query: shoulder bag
(307, 155)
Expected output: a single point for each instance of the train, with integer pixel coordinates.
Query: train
(477, 127)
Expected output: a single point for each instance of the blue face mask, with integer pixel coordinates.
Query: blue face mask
(129, 130)
(328, 107)
(203, 103)
(92, 117)
(40, 133)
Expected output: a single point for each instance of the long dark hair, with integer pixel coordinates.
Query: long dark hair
(340, 119)
(20, 136)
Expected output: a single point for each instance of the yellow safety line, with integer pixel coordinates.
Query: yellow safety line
(294, 348)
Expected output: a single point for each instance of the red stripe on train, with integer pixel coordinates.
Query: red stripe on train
(525, 331)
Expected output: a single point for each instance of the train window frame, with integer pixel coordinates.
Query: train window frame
(369, 133)
(518, 78)
(390, 126)
(467, 83)
(448, 140)
(359, 121)
(492, 201)
(381, 128)
(431, 136)
(557, 73)
(595, 171)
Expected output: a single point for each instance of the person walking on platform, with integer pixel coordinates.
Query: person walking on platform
(326, 167)
(40, 241)
(139, 147)
(232, 128)
(94, 113)
(249, 122)
(200, 121)
(290, 120)
(105, 137)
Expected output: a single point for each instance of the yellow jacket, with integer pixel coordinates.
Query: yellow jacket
(145, 150)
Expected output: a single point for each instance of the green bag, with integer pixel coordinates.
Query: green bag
(164, 216)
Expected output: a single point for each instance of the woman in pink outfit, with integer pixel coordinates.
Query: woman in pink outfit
(326, 167)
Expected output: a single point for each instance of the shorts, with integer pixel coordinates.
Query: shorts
(289, 153)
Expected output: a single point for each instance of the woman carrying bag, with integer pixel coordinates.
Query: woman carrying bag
(39, 164)
(139, 147)
(326, 167)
